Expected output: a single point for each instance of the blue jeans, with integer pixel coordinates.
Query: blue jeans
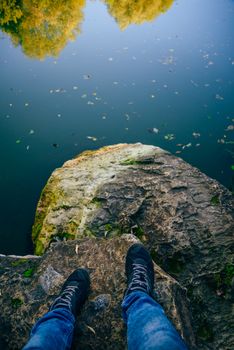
(53, 331)
(147, 327)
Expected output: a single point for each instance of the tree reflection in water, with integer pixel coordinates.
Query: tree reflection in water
(128, 12)
(43, 27)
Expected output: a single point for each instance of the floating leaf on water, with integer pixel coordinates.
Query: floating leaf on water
(187, 145)
(230, 128)
(169, 137)
(167, 60)
(93, 138)
(221, 141)
(219, 97)
(153, 130)
(193, 83)
(196, 134)
(232, 167)
(18, 141)
(87, 76)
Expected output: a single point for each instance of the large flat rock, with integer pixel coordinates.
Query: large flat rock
(25, 296)
(184, 218)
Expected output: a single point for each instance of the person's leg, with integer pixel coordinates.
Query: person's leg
(147, 325)
(55, 329)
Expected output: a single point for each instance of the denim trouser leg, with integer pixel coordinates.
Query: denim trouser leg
(53, 331)
(147, 325)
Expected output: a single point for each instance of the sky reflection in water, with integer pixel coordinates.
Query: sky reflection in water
(167, 82)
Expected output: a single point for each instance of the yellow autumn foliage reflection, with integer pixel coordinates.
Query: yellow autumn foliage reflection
(9, 11)
(45, 26)
(128, 12)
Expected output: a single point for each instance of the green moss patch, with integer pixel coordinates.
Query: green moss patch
(138, 232)
(108, 227)
(97, 201)
(215, 200)
(19, 262)
(131, 161)
(29, 272)
(221, 282)
(16, 303)
(39, 248)
(48, 199)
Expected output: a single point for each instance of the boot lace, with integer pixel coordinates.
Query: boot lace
(64, 299)
(140, 278)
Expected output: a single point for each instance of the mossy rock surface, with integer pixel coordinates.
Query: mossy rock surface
(100, 324)
(184, 218)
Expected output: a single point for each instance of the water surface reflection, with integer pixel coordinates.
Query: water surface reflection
(44, 27)
(167, 82)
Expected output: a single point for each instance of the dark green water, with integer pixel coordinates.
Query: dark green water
(168, 82)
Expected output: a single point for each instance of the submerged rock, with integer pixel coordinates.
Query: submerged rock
(100, 201)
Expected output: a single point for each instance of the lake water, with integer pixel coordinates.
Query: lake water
(167, 82)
